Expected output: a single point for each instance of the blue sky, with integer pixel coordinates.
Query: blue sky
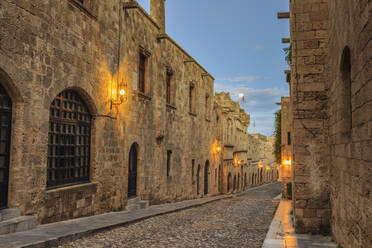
(239, 43)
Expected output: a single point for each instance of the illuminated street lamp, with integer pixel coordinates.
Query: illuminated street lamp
(117, 93)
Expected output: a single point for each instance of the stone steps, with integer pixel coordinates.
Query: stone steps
(136, 203)
(12, 221)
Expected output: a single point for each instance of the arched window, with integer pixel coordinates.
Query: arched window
(345, 87)
(69, 140)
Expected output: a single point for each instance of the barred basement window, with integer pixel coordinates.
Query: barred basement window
(69, 140)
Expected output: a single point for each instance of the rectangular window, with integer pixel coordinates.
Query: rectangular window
(169, 154)
(191, 99)
(289, 138)
(168, 87)
(142, 73)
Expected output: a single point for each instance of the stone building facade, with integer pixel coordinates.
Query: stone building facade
(330, 100)
(247, 159)
(99, 104)
(286, 148)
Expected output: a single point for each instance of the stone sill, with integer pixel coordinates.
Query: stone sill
(170, 106)
(71, 188)
(192, 114)
(84, 9)
(144, 96)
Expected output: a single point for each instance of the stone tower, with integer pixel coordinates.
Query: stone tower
(157, 11)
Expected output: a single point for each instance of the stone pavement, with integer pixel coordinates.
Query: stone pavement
(236, 218)
(241, 221)
(281, 233)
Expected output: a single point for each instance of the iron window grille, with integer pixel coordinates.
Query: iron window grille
(69, 141)
(5, 133)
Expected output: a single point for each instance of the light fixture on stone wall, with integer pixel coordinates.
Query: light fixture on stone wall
(287, 162)
(216, 147)
(118, 93)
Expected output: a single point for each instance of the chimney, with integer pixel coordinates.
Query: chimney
(157, 12)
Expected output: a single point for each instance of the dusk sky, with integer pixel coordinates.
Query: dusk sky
(239, 43)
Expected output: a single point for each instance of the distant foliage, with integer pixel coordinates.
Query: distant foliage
(288, 52)
(278, 137)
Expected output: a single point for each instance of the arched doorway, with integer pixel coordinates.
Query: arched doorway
(238, 185)
(234, 184)
(132, 171)
(206, 175)
(260, 176)
(245, 180)
(229, 182)
(5, 131)
(198, 180)
(220, 178)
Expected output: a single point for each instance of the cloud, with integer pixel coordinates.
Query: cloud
(239, 79)
(260, 47)
(259, 103)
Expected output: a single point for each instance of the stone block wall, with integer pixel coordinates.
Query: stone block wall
(286, 147)
(350, 109)
(94, 49)
(309, 40)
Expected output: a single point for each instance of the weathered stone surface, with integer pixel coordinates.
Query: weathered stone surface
(94, 49)
(331, 90)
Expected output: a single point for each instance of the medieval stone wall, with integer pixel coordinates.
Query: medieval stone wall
(350, 110)
(330, 100)
(309, 40)
(286, 147)
(248, 159)
(93, 49)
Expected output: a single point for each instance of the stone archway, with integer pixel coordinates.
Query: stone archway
(234, 184)
(198, 180)
(206, 177)
(229, 186)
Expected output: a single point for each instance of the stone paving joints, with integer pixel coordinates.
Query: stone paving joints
(49, 235)
(281, 233)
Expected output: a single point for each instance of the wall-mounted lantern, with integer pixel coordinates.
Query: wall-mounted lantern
(118, 93)
(287, 162)
(216, 147)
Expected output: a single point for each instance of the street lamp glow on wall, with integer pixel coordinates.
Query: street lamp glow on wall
(287, 162)
(117, 93)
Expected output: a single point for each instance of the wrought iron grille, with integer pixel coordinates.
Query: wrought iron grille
(5, 131)
(69, 140)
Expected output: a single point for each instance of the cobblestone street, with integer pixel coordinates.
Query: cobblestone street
(240, 221)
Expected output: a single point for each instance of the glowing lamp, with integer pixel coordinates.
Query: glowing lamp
(218, 149)
(117, 93)
(287, 162)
